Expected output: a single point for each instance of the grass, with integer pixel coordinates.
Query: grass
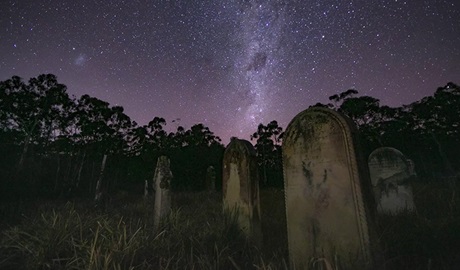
(428, 238)
(197, 235)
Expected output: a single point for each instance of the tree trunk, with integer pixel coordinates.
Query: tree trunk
(57, 172)
(24, 152)
(265, 174)
(80, 169)
(26, 144)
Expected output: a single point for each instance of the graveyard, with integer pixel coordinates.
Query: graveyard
(354, 185)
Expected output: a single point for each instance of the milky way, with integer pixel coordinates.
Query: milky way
(233, 64)
(257, 63)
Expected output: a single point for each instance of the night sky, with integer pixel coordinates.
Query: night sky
(232, 64)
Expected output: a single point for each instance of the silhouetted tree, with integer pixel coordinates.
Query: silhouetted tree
(31, 118)
(194, 151)
(426, 130)
(268, 148)
(31, 111)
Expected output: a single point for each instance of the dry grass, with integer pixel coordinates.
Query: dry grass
(196, 235)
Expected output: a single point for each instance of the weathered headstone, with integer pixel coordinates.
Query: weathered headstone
(146, 189)
(391, 173)
(327, 214)
(211, 179)
(99, 192)
(240, 186)
(161, 182)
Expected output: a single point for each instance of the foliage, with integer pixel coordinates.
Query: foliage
(54, 144)
(426, 130)
(268, 146)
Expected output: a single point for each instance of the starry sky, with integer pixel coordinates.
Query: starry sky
(232, 64)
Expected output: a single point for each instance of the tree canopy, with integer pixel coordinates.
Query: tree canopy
(52, 143)
(426, 130)
(41, 125)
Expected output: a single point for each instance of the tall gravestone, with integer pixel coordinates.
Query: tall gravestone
(161, 182)
(240, 186)
(391, 174)
(327, 214)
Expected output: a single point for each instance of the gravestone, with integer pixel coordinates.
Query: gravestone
(161, 182)
(391, 173)
(211, 179)
(146, 189)
(240, 187)
(99, 191)
(327, 214)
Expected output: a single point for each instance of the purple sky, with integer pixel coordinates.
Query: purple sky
(233, 64)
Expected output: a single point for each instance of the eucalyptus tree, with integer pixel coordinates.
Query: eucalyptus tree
(436, 121)
(32, 118)
(193, 151)
(268, 147)
(426, 130)
(32, 112)
(100, 127)
(157, 136)
(368, 115)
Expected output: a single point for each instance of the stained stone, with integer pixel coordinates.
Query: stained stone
(240, 186)
(327, 214)
(161, 182)
(391, 173)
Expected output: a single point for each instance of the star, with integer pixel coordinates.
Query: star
(233, 64)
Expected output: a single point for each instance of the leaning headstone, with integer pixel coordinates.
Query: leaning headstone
(391, 173)
(327, 214)
(240, 187)
(211, 179)
(161, 182)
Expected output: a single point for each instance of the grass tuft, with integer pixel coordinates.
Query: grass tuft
(197, 234)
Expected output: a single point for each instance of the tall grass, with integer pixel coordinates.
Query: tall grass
(196, 235)
(199, 235)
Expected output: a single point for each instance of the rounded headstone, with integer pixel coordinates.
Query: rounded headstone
(327, 214)
(240, 186)
(391, 173)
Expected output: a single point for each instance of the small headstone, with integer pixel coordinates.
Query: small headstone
(391, 174)
(211, 179)
(161, 182)
(411, 167)
(146, 189)
(327, 214)
(240, 186)
(99, 192)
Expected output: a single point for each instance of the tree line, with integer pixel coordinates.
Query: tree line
(53, 144)
(427, 131)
